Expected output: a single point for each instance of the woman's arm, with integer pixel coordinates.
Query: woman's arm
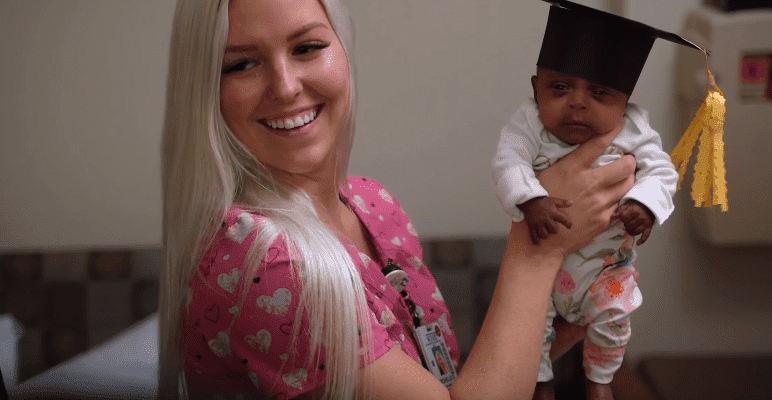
(505, 358)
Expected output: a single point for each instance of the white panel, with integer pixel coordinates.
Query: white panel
(747, 132)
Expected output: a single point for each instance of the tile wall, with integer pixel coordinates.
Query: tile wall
(67, 303)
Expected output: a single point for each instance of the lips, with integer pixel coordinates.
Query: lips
(576, 124)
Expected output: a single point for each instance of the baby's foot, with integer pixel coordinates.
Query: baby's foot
(598, 391)
(543, 391)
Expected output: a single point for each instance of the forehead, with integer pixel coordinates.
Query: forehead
(272, 19)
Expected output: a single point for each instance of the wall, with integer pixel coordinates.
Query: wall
(82, 87)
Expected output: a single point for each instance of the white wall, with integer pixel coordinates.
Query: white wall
(81, 101)
(81, 105)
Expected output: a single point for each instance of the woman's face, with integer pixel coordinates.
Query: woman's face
(285, 84)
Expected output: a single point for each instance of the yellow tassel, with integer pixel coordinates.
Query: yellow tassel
(709, 186)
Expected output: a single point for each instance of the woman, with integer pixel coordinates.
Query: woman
(272, 284)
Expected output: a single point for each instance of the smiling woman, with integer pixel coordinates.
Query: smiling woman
(274, 106)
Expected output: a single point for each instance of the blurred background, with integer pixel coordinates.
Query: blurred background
(82, 100)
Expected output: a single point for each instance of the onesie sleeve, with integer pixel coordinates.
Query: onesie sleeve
(656, 177)
(513, 174)
(246, 346)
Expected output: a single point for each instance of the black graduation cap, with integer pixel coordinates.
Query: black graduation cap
(598, 46)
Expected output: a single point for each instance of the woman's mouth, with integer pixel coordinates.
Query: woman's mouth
(292, 122)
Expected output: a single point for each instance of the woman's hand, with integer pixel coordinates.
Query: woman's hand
(594, 192)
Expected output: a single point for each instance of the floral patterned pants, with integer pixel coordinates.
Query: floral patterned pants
(596, 286)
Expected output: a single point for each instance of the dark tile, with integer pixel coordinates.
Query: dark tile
(489, 250)
(484, 283)
(98, 336)
(66, 305)
(454, 253)
(427, 253)
(63, 344)
(22, 266)
(144, 299)
(65, 266)
(109, 265)
(25, 301)
(146, 263)
(109, 304)
(31, 356)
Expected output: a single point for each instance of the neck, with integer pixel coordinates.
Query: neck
(322, 188)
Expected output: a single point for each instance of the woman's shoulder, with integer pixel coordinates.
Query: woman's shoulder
(231, 244)
(363, 189)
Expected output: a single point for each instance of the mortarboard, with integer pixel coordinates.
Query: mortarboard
(598, 46)
(611, 51)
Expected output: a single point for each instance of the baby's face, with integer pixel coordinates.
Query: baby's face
(575, 109)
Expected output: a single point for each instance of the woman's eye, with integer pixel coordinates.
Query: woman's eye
(307, 48)
(238, 66)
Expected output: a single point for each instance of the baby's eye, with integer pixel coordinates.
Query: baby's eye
(560, 86)
(309, 47)
(238, 66)
(600, 92)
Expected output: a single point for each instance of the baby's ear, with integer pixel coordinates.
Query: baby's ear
(533, 85)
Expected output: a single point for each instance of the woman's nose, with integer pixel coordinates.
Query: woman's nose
(285, 83)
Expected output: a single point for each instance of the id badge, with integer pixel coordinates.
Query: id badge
(435, 353)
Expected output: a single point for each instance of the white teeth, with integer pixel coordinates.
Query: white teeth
(290, 123)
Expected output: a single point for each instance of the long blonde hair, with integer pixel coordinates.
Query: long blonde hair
(206, 170)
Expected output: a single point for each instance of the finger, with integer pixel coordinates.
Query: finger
(633, 227)
(644, 236)
(618, 212)
(562, 203)
(617, 190)
(616, 171)
(534, 236)
(552, 228)
(590, 150)
(542, 232)
(562, 218)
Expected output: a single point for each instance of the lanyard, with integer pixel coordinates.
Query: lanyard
(431, 344)
(398, 280)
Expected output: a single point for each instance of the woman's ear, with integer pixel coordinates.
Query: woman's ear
(533, 85)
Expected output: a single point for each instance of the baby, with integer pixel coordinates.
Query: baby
(589, 64)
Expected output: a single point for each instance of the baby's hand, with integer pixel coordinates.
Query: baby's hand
(637, 218)
(543, 214)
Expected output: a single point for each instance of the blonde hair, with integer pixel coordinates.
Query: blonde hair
(206, 171)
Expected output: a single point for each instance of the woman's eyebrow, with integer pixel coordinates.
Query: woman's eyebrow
(307, 27)
(300, 32)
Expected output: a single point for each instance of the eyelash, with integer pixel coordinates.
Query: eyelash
(301, 50)
(561, 86)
